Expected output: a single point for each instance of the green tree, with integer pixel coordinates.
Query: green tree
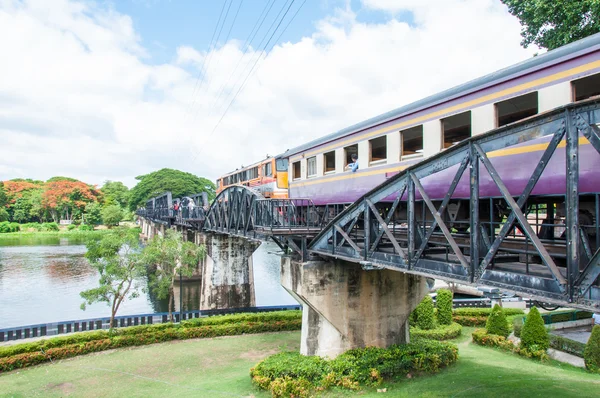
(534, 335)
(3, 198)
(554, 23)
(3, 214)
(115, 193)
(425, 314)
(171, 256)
(117, 257)
(112, 215)
(177, 182)
(497, 323)
(93, 213)
(444, 306)
(591, 354)
(59, 178)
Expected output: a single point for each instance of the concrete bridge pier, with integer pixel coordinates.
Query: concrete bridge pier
(347, 307)
(227, 271)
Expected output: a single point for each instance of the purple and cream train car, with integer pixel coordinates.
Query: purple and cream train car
(388, 143)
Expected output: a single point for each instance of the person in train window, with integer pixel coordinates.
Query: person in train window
(354, 165)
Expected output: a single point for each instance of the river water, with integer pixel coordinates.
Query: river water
(41, 277)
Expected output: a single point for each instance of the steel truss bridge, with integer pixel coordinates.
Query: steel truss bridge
(398, 226)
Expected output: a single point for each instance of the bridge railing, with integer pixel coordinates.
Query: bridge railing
(286, 216)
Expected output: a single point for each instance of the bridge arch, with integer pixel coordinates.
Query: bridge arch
(232, 211)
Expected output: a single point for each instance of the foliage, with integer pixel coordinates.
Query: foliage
(496, 322)
(177, 182)
(6, 227)
(443, 303)
(29, 354)
(534, 335)
(425, 315)
(442, 332)
(172, 257)
(84, 227)
(567, 345)
(3, 197)
(115, 192)
(245, 317)
(481, 337)
(117, 258)
(518, 326)
(65, 199)
(292, 373)
(93, 213)
(49, 226)
(112, 215)
(3, 214)
(484, 312)
(591, 355)
(551, 24)
(59, 178)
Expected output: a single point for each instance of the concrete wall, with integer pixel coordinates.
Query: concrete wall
(346, 307)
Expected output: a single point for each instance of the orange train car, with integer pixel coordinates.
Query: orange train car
(269, 177)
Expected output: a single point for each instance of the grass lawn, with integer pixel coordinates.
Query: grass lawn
(219, 367)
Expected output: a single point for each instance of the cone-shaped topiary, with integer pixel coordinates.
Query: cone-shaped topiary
(444, 306)
(425, 317)
(496, 322)
(591, 354)
(534, 335)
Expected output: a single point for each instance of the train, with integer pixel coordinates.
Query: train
(269, 177)
(389, 143)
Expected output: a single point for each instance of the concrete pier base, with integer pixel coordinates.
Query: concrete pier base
(227, 272)
(347, 307)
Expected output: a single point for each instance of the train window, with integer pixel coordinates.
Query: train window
(378, 149)
(296, 170)
(516, 108)
(412, 142)
(268, 170)
(329, 162)
(348, 152)
(456, 128)
(281, 164)
(252, 173)
(586, 87)
(311, 166)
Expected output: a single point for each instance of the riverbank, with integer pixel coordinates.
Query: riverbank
(63, 233)
(220, 367)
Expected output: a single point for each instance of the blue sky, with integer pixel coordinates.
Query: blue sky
(163, 25)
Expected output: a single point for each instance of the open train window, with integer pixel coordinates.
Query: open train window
(586, 87)
(311, 166)
(516, 108)
(378, 150)
(296, 170)
(412, 142)
(348, 152)
(456, 128)
(329, 162)
(268, 169)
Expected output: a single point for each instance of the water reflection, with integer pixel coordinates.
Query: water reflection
(41, 277)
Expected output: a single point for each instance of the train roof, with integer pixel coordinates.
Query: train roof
(578, 48)
(249, 166)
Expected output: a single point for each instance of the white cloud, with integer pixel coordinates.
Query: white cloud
(78, 96)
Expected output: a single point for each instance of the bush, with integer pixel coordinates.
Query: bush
(49, 226)
(534, 335)
(112, 215)
(591, 355)
(484, 312)
(442, 332)
(425, 317)
(481, 337)
(6, 227)
(85, 227)
(518, 326)
(3, 214)
(31, 226)
(292, 374)
(71, 227)
(496, 322)
(443, 303)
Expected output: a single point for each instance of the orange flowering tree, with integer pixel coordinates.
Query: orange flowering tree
(65, 199)
(21, 197)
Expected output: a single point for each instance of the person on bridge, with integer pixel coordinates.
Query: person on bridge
(354, 165)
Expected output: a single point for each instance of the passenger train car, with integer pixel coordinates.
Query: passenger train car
(269, 177)
(391, 142)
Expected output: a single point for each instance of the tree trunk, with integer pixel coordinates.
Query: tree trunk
(171, 304)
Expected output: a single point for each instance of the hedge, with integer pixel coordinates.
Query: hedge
(442, 332)
(481, 337)
(292, 374)
(477, 317)
(567, 345)
(272, 321)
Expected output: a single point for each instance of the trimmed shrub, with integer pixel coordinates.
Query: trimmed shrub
(443, 303)
(566, 345)
(485, 312)
(425, 317)
(534, 335)
(591, 355)
(496, 322)
(481, 337)
(292, 374)
(442, 332)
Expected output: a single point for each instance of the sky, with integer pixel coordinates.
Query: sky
(109, 90)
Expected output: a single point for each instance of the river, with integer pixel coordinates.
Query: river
(41, 277)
